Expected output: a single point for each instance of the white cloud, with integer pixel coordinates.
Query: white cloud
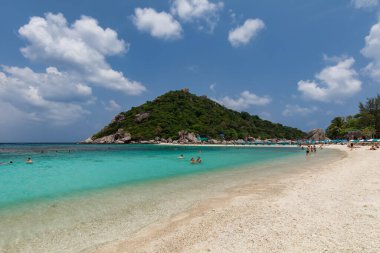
(197, 11)
(371, 50)
(244, 34)
(295, 110)
(334, 59)
(212, 87)
(51, 96)
(334, 83)
(113, 106)
(80, 48)
(77, 55)
(365, 3)
(245, 100)
(158, 24)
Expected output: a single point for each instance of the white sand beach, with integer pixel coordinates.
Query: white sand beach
(328, 208)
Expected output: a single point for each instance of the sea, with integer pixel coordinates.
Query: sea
(74, 197)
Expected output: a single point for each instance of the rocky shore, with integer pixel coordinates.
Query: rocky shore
(184, 137)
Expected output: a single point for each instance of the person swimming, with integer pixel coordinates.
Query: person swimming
(192, 160)
(199, 160)
(10, 162)
(29, 160)
(180, 156)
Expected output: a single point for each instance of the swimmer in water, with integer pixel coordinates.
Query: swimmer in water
(180, 156)
(29, 160)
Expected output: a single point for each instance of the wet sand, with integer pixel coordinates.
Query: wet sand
(332, 207)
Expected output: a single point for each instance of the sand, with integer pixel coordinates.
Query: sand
(331, 208)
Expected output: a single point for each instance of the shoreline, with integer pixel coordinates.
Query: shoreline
(332, 208)
(229, 145)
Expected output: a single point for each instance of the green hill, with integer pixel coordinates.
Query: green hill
(180, 110)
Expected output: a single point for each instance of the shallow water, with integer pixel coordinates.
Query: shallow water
(60, 170)
(75, 196)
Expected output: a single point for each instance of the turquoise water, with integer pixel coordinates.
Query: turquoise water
(60, 170)
(76, 197)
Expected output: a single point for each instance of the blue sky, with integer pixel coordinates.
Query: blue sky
(68, 67)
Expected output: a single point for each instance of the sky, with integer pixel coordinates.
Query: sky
(68, 67)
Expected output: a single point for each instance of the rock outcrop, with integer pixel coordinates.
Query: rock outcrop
(120, 137)
(118, 118)
(316, 135)
(186, 137)
(141, 116)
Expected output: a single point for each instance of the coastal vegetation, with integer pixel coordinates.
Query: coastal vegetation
(181, 110)
(365, 124)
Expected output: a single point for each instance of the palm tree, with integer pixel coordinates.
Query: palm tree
(336, 127)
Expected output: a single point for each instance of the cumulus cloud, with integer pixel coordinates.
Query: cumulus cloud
(113, 106)
(212, 86)
(334, 83)
(296, 110)
(80, 48)
(51, 95)
(371, 50)
(242, 35)
(76, 55)
(244, 101)
(158, 24)
(365, 3)
(197, 11)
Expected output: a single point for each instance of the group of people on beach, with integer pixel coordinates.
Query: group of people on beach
(310, 149)
(373, 147)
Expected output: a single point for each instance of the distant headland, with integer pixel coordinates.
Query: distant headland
(182, 117)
